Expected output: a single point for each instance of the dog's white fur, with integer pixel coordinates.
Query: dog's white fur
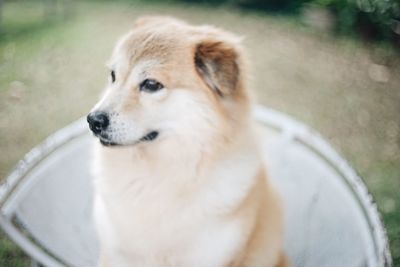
(196, 195)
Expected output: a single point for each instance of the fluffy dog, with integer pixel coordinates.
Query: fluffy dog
(179, 180)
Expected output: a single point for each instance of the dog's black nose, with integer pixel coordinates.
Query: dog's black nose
(98, 121)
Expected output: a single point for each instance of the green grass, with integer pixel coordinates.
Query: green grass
(384, 180)
(10, 254)
(52, 71)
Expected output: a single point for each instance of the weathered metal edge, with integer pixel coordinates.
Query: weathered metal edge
(314, 140)
(16, 177)
(37, 154)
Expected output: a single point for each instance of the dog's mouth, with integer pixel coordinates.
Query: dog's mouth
(105, 141)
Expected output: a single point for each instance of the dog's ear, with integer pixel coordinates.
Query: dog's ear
(216, 61)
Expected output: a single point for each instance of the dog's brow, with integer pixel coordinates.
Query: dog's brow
(145, 65)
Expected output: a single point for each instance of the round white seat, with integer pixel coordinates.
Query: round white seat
(330, 219)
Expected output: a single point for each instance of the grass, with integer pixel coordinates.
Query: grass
(51, 73)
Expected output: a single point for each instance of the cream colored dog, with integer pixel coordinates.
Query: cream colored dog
(179, 179)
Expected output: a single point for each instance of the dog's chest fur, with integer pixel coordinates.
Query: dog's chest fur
(162, 215)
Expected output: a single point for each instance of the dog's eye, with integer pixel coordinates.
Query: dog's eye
(150, 85)
(112, 76)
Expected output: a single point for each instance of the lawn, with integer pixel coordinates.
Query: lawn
(52, 71)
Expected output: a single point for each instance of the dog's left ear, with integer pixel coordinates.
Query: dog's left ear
(217, 63)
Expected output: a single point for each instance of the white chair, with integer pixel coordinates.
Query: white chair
(331, 220)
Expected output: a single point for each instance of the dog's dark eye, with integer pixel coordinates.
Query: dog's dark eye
(112, 76)
(150, 85)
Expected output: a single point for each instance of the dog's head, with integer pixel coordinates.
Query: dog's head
(168, 80)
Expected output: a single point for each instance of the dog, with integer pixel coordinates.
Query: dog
(179, 180)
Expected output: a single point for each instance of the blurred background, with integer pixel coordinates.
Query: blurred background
(333, 64)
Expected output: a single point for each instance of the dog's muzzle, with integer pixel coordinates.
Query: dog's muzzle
(99, 122)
